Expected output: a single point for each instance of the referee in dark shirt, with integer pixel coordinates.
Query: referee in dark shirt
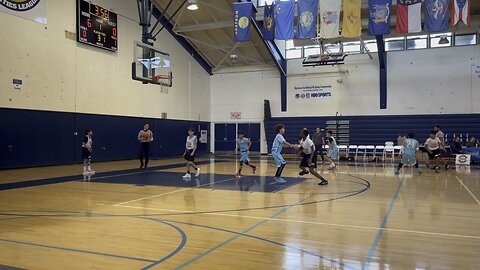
(319, 142)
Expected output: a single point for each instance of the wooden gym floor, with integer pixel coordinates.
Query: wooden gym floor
(126, 218)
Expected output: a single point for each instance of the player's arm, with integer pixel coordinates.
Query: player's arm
(151, 135)
(140, 135)
(249, 144)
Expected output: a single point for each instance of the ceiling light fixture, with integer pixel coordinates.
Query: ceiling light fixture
(443, 40)
(192, 5)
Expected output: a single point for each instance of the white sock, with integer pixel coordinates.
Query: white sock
(84, 168)
(89, 168)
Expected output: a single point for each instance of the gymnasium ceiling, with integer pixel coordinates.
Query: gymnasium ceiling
(210, 30)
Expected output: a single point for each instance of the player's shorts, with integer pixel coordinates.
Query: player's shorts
(188, 156)
(409, 159)
(435, 154)
(278, 159)
(86, 154)
(333, 153)
(305, 158)
(244, 158)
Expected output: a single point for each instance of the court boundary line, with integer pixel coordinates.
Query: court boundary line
(203, 254)
(74, 250)
(468, 190)
(380, 231)
(311, 222)
(174, 191)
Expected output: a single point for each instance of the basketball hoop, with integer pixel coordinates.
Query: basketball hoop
(164, 80)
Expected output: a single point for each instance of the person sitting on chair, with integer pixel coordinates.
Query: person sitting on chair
(456, 146)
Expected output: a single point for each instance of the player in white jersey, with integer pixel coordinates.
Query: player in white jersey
(243, 145)
(409, 156)
(309, 157)
(87, 145)
(189, 154)
(433, 145)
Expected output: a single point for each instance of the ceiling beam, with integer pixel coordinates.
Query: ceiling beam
(204, 26)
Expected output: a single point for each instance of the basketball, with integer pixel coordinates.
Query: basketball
(146, 135)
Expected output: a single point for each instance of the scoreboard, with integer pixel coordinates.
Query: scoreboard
(96, 26)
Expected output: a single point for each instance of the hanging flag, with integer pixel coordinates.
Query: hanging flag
(461, 11)
(268, 23)
(329, 18)
(307, 18)
(409, 16)
(436, 19)
(242, 15)
(351, 26)
(379, 17)
(284, 14)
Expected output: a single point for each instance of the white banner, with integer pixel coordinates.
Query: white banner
(34, 10)
(312, 92)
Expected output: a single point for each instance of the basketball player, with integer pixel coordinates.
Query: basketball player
(145, 136)
(87, 152)
(433, 145)
(243, 145)
(332, 150)
(189, 155)
(277, 146)
(409, 156)
(309, 159)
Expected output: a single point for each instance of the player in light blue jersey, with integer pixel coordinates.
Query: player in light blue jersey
(277, 147)
(332, 150)
(243, 145)
(409, 156)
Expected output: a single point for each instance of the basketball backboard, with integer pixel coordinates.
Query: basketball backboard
(151, 65)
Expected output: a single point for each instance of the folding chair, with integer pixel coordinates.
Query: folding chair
(370, 150)
(343, 149)
(352, 150)
(361, 149)
(380, 149)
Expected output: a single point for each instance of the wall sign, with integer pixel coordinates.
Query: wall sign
(312, 92)
(17, 84)
(235, 115)
(34, 10)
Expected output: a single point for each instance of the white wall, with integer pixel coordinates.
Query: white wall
(427, 81)
(60, 74)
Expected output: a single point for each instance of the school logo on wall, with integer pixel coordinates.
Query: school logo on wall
(19, 5)
(34, 10)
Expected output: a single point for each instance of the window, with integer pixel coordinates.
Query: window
(394, 44)
(351, 47)
(371, 45)
(464, 40)
(294, 53)
(444, 37)
(311, 50)
(333, 48)
(417, 42)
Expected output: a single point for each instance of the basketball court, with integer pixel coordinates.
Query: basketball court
(81, 80)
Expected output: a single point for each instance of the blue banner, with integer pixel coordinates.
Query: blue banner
(379, 17)
(436, 19)
(268, 22)
(242, 15)
(307, 18)
(284, 13)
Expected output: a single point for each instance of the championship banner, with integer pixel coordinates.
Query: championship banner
(330, 18)
(34, 10)
(268, 22)
(312, 92)
(242, 14)
(351, 27)
(460, 12)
